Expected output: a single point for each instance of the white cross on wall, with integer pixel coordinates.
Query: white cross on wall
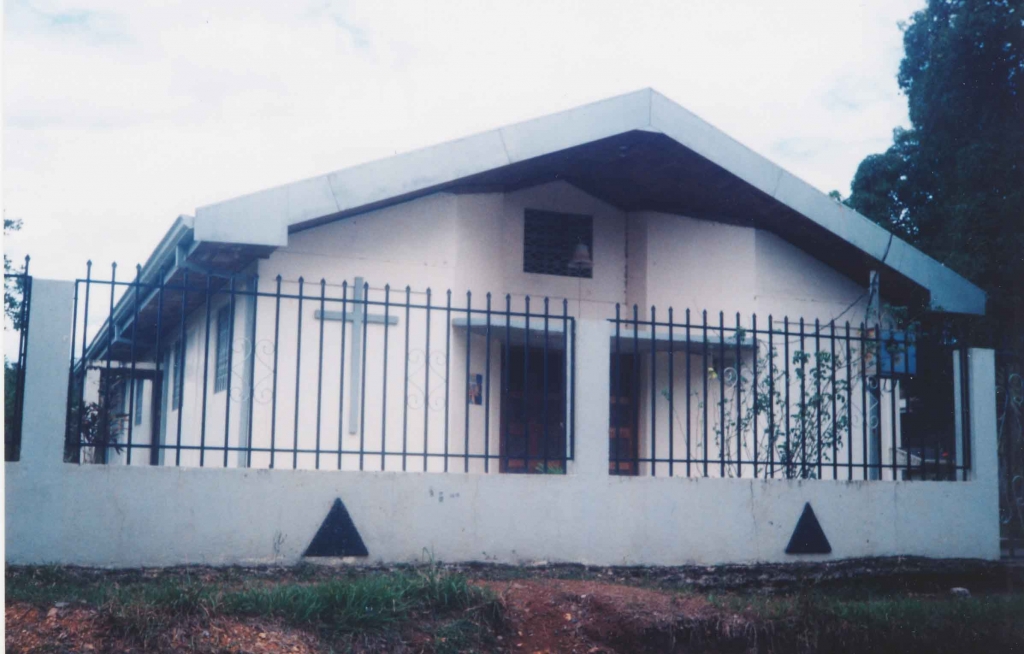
(358, 316)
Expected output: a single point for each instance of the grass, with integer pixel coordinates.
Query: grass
(440, 611)
(855, 622)
(142, 609)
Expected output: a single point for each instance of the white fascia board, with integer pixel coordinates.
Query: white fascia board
(949, 291)
(566, 129)
(264, 217)
(414, 171)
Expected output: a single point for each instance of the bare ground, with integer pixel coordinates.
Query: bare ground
(575, 609)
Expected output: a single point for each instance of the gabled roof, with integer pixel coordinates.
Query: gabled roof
(638, 151)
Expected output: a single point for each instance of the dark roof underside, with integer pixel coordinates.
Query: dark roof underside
(647, 171)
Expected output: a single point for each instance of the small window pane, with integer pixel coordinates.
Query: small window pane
(223, 349)
(550, 240)
(139, 384)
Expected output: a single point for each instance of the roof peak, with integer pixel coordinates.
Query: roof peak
(533, 147)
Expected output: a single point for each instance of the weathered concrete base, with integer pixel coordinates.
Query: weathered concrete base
(129, 516)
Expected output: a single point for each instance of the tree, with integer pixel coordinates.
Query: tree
(13, 285)
(953, 184)
(14, 293)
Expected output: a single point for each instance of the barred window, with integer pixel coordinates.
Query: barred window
(220, 381)
(552, 243)
(178, 364)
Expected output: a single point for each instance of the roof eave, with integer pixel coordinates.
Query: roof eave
(265, 218)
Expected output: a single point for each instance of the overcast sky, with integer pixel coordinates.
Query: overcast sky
(118, 116)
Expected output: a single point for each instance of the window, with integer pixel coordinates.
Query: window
(178, 365)
(138, 385)
(220, 379)
(558, 244)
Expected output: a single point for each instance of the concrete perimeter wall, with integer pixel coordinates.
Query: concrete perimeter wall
(143, 516)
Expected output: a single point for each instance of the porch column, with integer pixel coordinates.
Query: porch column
(984, 445)
(981, 392)
(592, 398)
(46, 373)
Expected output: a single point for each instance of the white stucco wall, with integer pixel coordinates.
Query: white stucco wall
(474, 242)
(232, 516)
(705, 265)
(185, 426)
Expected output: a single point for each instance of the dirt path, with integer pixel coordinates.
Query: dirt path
(550, 615)
(544, 615)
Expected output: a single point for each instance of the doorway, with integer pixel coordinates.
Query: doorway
(533, 435)
(623, 444)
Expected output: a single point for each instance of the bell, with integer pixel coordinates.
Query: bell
(581, 258)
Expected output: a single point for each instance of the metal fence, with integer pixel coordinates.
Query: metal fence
(194, 369)
(17, 301)
(1010, 406)
(781, 399)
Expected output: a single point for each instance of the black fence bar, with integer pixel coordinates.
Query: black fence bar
(788, 402)
(206, 370)
(1010, 425)
(341, 372)
(298, 378)
(469, 358)
(616, 411)
(18, 288)
(319, 373)
(131, 387)
(739, 399)
(753, 326)
(273, 402)
(108, 408)
(76, 407)
(487, 391)
(241, 368)
(384, 389)
(772, 429)
(405, 379)
(654, 396)
(569, 343)
(671, 395)
(251, 376)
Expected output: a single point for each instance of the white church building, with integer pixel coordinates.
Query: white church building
(616, 293)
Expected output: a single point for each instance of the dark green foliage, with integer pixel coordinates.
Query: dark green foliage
(953, 184)
(14, 293)
(13, 286)
(12, 443)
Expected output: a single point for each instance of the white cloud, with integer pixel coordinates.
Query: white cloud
(120, 116)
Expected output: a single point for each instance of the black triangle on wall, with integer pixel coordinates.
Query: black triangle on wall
(337, 535)
(808, 537)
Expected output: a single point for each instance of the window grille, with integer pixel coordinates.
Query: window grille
(223, 348)
(551, 239)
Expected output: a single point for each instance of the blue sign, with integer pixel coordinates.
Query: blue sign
(897, 354)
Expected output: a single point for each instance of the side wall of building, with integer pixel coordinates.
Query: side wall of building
(288, 391)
